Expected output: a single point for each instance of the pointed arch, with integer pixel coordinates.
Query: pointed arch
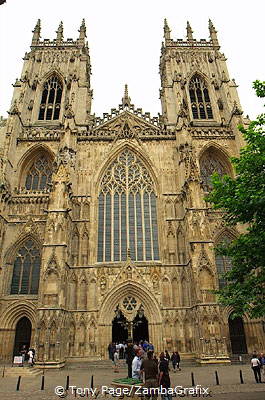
(139, 153)
(51, 98)
(127, 210)
(75, 246)
(51, 284)
(166, 292)
(72, 292)
(223, 262)
(206, 284)
(213, 159)
(26, 266)
(36, 167)
(175, 292)
(185, 293)
(199, 98)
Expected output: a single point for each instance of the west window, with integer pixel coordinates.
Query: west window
(127, 214)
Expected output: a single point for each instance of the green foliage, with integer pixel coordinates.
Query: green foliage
(242, 198)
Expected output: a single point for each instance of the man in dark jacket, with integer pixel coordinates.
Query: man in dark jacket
(129, 356)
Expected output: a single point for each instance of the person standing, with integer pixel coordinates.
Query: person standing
(136, 364)
(255, 365)
(175, 358)
(164, 378)
(129, 356)
(31, 357)
(150, 371)
(116, 361)
(110, 346)
(167, 356)
(262, 364)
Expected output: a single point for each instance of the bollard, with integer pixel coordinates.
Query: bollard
(18, 382)
(67, 383)
(42, 382)
(192, 379)
(92, 382)
(3, 374)
(241, 376)
(217, 378)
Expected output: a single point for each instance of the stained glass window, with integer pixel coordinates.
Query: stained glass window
(26, 271)
(51, 99)
(200, 100)
(127, 212)
(209, 164)
(39, 174)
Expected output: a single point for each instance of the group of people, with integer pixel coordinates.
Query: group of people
(258, 366)
(27, 354)
(118, 350)
(154, 372)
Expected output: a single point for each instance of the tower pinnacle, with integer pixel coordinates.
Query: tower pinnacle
(213, 33)
(59, 32)
(82, 30)
(36, 33)
(189, 31)
(126, 100)
(166, 30)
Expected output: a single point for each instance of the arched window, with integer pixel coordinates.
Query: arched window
(210, 163)
(127, 212)
(39, 174)
(26, 271)
(199, 98)
(223, 263)
(51, 99)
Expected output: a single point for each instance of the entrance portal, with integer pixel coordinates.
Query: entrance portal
(119, 329)
(23, 335)
(237, 335)
(140, 328)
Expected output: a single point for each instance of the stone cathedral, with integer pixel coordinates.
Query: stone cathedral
(105, 233)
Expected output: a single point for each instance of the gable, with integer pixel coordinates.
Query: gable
(127, 124)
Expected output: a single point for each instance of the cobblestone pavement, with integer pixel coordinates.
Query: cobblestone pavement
(229, 388)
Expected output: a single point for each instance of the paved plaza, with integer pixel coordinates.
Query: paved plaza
(80, 377)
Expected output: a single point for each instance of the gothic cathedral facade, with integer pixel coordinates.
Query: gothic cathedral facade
(105, 232)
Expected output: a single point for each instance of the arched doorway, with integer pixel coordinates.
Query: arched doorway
(23, 335)
(140, 328)
(237, 335)
(119, 328)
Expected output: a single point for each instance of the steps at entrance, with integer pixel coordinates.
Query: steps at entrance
(103, 364)
(245, 359)
(20, 371)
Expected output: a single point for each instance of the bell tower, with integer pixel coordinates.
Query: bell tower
(49, 66)
(195, 81)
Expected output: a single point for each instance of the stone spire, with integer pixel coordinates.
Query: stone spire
(82, 31)
(189, 31)
(166, 30)
(213, 33)
(59, 32)
(36, 33)
(126, 100)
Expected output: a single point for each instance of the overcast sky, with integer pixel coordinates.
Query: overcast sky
(125, 40)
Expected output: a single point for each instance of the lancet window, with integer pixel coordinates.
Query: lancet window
(26, 271)
(127, 214)
(209, 164)
(223, 264)
(51, 99)
(39, 175)
(199, 98)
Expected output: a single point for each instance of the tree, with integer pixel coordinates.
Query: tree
(243, 200)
